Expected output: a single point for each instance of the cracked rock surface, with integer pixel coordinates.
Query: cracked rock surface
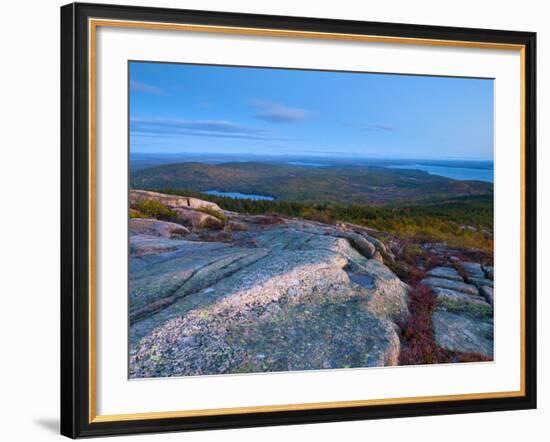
(463, 317)
(275, 295)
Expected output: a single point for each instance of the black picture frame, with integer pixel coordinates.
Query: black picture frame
(75, 221)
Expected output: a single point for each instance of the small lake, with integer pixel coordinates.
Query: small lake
(240, 196)
(454, 173)
(305, 163)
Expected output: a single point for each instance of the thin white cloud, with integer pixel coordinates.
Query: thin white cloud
(278, 113)
(201, 128)
(380, 128)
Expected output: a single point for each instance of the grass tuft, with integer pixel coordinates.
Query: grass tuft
(155, 209)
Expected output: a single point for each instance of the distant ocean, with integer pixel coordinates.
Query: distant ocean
(454, 173)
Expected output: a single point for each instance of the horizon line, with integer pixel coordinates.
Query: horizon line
(318, 155)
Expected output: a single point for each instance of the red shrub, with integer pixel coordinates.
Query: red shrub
(471, 357)
(419, 346)
(415, 276)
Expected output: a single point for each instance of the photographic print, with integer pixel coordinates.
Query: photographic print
(271, 220)
(286, 219)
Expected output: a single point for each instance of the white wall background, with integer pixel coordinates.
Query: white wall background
(29, 219)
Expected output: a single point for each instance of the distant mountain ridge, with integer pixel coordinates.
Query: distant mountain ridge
(290, 182)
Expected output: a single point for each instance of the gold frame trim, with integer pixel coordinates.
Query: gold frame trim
(93, 24)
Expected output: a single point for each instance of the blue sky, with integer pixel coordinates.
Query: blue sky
(214, 109)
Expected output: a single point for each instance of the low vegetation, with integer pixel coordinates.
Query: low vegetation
(417, 331)
(462, 222)
(134, 213)
(153, 209)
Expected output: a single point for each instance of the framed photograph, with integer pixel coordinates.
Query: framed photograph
(274, 220)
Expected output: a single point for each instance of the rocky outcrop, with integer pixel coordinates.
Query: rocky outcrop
(473, 269)
(380, 246)
(192, 213)
(480, 282)
(368, 235)
(464, 333)
(196, 219)
(458, 286)
(445, 272)
(147, 226)
(359, 242)
(172, 200)
(282, 294)
(219, 292)
(462, 303)
(463, 316)
(290, 310)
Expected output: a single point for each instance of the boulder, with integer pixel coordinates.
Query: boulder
(463, 333)
(359, 242)
(197, 220)
(443, 294)
(378, 244)
(155, 227)
(451, 285)
(459, 302)
(473, 269)
(445, 272)
(171, 201)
